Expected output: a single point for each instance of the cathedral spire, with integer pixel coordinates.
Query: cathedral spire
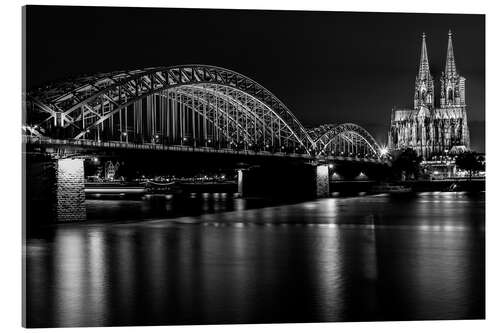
(424, 85)
(423, 70)
(450, 69)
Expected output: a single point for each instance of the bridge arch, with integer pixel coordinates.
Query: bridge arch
(189, 104)
(346, 140)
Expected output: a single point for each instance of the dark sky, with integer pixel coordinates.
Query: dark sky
(327, 67)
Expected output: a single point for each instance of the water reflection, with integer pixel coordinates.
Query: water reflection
(339, 259)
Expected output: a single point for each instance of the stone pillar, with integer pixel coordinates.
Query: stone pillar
(322, 181)
(241, 180)
(69, 191)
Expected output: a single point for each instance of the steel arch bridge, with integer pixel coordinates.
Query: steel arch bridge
(188, 105)
(345, 140)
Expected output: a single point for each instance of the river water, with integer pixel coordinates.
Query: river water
(213, 258)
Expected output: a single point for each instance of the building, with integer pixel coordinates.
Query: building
(434, 126)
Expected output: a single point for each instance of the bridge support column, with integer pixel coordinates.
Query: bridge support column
(322, 181)
(241, 182)
(69, 190)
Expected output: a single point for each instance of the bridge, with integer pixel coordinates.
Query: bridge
(188, 108)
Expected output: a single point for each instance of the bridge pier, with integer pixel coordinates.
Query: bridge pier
(70, 191)
(322, 181)
(241, 182)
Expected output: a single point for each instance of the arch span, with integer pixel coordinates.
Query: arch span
(190, 104)
(346, 139)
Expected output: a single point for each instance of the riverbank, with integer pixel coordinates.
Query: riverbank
(353, 188)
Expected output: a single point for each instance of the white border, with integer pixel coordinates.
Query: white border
(10, 191)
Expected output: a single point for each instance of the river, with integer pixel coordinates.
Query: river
(213, 258)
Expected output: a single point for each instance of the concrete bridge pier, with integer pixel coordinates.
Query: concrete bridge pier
(55, 190)
(322, 181)
(242, 174)
(69, 202)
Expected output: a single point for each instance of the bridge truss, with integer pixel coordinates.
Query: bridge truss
(189, 105)
(186, 105)
(345, 140)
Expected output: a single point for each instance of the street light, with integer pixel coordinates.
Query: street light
(384, 151)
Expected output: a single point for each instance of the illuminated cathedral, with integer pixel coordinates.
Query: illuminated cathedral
(434, 126)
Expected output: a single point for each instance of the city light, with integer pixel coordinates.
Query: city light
(384, 151)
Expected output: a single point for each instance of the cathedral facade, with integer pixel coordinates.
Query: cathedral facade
(434, 126)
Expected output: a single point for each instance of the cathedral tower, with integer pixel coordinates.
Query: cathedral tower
(424, 84)
(452, 84)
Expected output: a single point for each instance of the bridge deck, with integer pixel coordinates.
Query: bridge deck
(91, 144)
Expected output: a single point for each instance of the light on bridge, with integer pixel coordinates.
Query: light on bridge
(384, 151)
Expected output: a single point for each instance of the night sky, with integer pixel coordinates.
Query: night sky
(327, 67)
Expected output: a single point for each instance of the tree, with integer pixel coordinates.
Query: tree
(469, 161)
(407, 161)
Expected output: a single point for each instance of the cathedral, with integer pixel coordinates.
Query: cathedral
(434, 126)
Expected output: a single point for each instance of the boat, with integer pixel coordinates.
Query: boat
(392, 189)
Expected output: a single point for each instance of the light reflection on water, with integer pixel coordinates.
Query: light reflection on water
(339, 259)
